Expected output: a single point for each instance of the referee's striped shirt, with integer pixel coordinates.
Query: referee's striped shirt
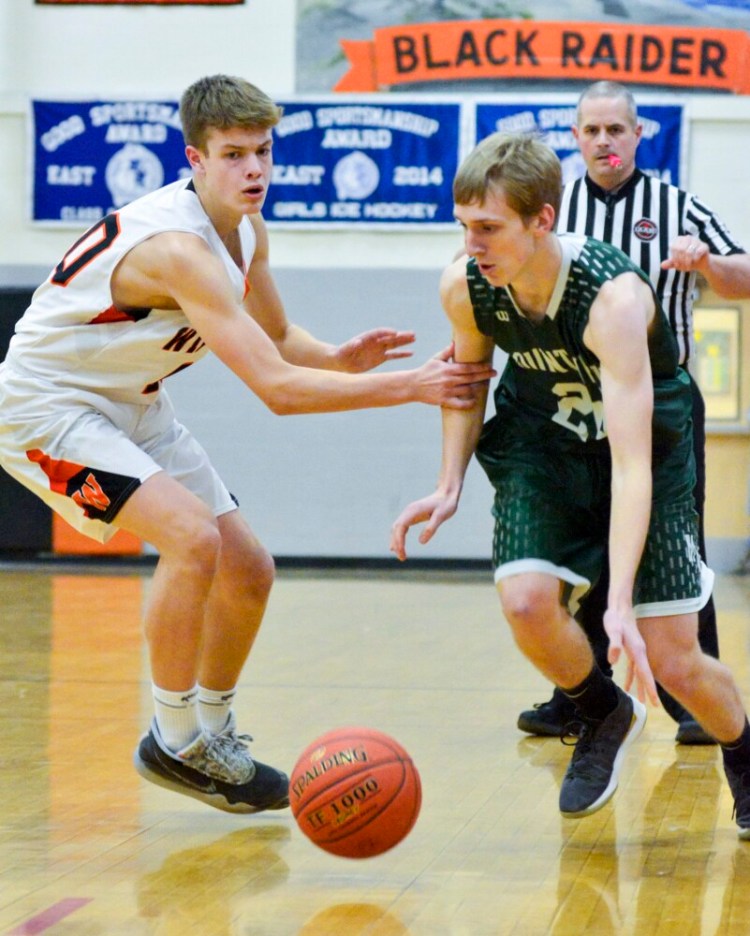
(643, 218)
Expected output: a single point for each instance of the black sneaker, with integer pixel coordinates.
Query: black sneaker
(551, 719)
(690, 732)
(739, 784)
(216, 769)
(594, 769)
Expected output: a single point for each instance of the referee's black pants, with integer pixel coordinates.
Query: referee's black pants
(592, 609)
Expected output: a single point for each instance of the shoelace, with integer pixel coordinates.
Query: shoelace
(224, 748)
(583, 740)
(230, 739)
(573, 731)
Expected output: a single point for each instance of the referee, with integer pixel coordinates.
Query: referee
(672, 236)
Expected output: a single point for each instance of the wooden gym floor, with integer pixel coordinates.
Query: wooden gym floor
(88, 848)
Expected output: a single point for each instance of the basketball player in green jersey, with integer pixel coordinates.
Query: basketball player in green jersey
(590, 446)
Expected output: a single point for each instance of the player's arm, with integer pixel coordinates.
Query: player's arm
(192, 276)
(460, 436)
(617, 333)
(460, 430)
(298, 346)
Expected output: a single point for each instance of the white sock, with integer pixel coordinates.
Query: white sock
(176, 716)
(214, 706)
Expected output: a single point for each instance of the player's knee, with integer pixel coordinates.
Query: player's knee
(248, 569)
(259, 572)
(196, 545)
(677, 670)
(525, 604)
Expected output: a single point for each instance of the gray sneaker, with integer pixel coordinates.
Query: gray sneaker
(594, 770)
(216, 769)
(229, 758)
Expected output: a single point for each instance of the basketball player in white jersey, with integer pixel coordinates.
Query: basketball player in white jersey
(87, 425)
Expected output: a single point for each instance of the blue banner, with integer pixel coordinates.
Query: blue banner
(386, 163)
(660, 152)
(91, 157)
(360, 164)
(364, 164)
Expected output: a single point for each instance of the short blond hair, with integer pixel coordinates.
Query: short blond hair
(527, 169)
(223, 102)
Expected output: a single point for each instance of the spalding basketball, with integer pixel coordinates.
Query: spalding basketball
(355, 792)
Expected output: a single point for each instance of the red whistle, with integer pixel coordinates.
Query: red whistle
(614, 161)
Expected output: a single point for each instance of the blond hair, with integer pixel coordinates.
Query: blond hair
(223, 102)
(526, 168)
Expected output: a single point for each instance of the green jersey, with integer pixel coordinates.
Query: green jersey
(549, 395)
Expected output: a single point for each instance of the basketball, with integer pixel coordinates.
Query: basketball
(355, 792)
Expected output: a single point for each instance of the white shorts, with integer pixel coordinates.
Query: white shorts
(84, 454)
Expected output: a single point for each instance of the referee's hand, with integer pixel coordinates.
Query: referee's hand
(685, 254)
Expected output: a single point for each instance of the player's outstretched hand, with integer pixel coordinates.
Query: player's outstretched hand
(623, 633)
(443, 382)
(434, 510)
(372, 348)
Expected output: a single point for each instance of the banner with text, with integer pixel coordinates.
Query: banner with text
(91, 157)
(694, 58)
(660, 152)
(363, 164)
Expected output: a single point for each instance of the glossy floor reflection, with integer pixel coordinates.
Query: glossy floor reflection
(87, 847)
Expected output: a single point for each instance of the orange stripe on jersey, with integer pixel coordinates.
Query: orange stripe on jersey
(88, 495)
(113, 314)
(57, 470)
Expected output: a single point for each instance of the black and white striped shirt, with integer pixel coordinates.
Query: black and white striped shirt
(642, 219)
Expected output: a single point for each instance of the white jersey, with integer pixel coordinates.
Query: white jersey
(72, 335)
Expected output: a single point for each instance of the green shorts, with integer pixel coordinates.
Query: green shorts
(552, 515)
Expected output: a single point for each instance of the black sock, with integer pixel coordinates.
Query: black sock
(737, 753)
(596, 697)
